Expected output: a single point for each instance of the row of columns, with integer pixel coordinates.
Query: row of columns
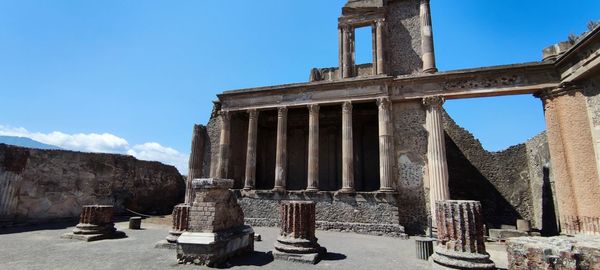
(347, 49)
(436, 153)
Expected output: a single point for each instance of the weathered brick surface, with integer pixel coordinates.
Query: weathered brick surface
(215, 208)
(96, 214)
(181, 214)
(460, 241)
(298, 219)
(565, 253)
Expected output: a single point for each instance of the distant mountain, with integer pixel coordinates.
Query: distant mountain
(27, 142)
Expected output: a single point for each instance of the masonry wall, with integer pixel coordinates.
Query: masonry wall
(410, 145)
(511, 184)
(53, 184)
(403, 37)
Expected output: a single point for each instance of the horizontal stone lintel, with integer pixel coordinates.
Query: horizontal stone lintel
(481, 82)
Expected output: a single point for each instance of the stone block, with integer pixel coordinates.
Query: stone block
(503, 234)
(214, 248)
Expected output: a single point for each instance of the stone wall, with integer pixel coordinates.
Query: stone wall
(410, 145)
(363, 212)
(54, 184)
(508, 183)
(403, 42)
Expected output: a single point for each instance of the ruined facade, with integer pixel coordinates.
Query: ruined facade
(367, 142)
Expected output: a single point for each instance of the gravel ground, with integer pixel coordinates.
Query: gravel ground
(40, 247)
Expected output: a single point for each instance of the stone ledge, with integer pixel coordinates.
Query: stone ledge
(393, 230)
(359, 196)
(212, 183)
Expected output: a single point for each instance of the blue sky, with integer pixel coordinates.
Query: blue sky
(134, 76)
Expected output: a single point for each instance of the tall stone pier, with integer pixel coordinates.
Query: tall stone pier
(216, 229)
(95, 223)
(460, 242)
(296, 241)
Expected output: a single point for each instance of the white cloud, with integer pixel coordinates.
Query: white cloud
(155, 151)
(104, 143)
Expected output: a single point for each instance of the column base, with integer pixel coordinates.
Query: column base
(347, 190)
(278, 189)
(248, 188)
(311, 189)
(387, 190)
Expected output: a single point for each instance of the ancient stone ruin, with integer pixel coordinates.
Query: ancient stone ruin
(95, 223)
(296, 241)
(568, 253)
(371, 145)
(216, 229)
(460, 240)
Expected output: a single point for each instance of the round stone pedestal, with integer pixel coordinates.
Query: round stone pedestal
(296, 240)
(460, 243)
(95, 223)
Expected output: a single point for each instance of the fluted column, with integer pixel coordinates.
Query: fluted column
(313, 148)
(386, 144)
(196, 161)
(379, 29)
(347, 149)
(281, 153)
(427, 38)
(461, 239)
(347, 53)
(223, 164)
(436, 153)
(250, 178)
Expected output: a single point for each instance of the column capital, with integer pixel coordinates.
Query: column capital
(566, 88)
(313, 108)
(282, 111)
(383, 102)
(252, 113)
(225, 115)
(347, 106)
(434, 101)
(379, 22)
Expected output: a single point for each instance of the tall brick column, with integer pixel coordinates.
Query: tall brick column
(460, 243)
(297, 241)
(573, 159)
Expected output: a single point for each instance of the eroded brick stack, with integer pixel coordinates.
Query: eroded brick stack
(460, 243)
(216, 229)
(95, 223)
(297, 241)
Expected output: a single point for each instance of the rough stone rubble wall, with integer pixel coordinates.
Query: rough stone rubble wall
(403, 37)
(410, 145)
(508, 183)
(53, 184)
